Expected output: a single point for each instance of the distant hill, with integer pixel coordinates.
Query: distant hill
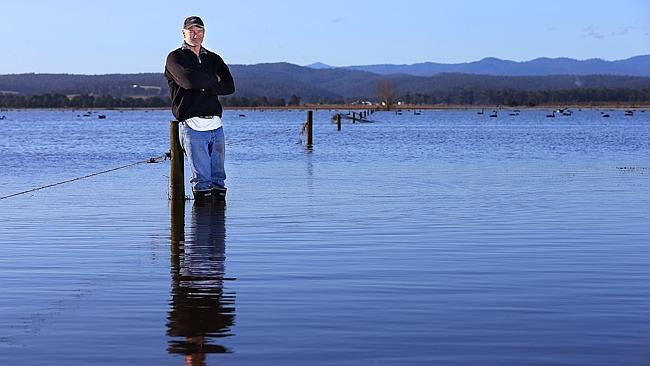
(281, 80)
(634, 66)
(318, 65)
(117, 85)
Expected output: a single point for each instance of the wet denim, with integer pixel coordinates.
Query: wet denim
(205, 151)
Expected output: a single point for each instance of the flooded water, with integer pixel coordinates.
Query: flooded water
(445, 238)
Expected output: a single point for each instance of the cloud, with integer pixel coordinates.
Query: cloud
(623, 31)
(592, 31)
(596, 32)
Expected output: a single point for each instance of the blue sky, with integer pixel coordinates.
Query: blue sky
(96, 37)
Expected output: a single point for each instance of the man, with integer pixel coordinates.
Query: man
(196, 77)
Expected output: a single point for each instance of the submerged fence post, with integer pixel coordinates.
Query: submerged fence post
(177, 172)
(310, 128)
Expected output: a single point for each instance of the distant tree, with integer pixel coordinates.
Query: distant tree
(466, 96)
(261, 101)
(386, 93)
(408, 98)
(294, 100)
(277, 102)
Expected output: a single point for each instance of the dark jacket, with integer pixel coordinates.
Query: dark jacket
(193, 82)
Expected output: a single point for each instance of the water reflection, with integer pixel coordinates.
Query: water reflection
(200, 310)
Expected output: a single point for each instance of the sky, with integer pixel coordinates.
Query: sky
(118, 36)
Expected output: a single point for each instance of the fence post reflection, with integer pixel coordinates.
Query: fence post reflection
(200, 310)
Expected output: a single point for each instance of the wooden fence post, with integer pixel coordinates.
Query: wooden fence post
(177, 172)
(310, 128)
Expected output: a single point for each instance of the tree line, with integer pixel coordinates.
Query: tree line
(79, 101)
(107, 101)
(463, 97)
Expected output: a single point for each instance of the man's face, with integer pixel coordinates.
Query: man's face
(193, 36)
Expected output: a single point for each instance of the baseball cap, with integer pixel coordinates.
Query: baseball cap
(193, 21)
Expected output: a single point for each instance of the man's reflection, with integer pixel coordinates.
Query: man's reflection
(200, 310)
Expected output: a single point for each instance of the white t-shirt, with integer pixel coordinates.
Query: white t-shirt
(203, 124)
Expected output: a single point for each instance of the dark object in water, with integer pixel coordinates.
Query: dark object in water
(2, 117)
(606, 115)
(242, 115)
(494, 114)
(102, 116)
(551, 115)
(355, 119)
(629, 113)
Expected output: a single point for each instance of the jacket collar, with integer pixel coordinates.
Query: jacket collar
(185, 46)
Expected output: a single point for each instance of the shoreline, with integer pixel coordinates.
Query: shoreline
(307, 107)
(450, 107)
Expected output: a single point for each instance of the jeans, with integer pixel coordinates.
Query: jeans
(206, 151)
